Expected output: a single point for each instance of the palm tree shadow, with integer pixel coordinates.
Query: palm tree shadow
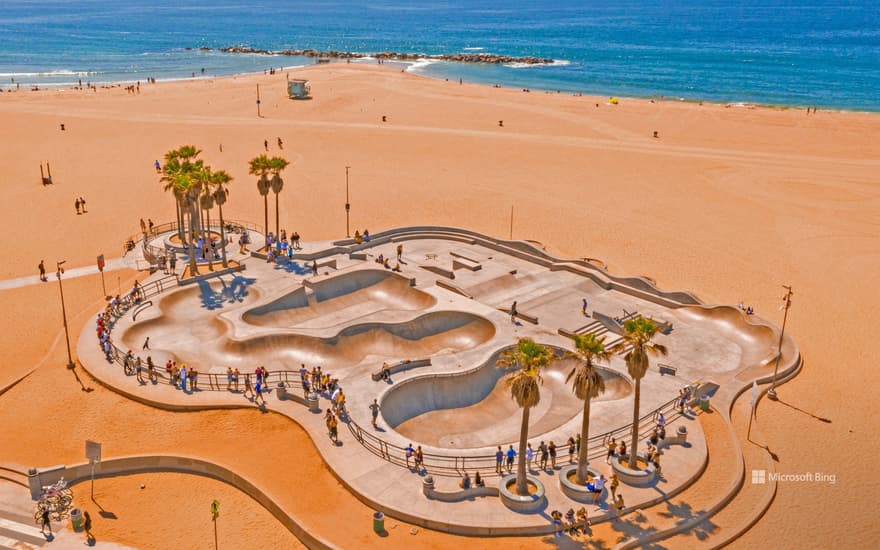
(293, 267)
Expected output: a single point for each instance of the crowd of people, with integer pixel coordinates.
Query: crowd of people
(279, 246)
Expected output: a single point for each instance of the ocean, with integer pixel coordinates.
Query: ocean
(820, 53)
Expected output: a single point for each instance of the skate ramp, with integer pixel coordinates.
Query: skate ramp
(474, 409)
(365, 291)
(427, 335)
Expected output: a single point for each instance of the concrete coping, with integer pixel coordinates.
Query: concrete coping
(577, 492)
(521, 503)
(635, 478)
(433, 493)
(402, 365)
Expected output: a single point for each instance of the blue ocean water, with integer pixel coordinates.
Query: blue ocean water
(818, 52)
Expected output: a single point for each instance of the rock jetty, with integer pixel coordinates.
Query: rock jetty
(490, 58)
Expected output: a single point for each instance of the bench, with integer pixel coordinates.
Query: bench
(457, 495)
(666, 369)
(430, 257)
(402, 365)
(453, 288)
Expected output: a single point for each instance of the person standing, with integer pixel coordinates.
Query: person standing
(42, 268)
(280, 144)
(87, 526)
(314, 267)
(552, 450)
(333, 425)
(45, 522)
(146, 343)
(76, 205)
(228, 378)
(499, 459)
(247, 387)
(584, 308)
(158, 167)
(530, 455)
(235, 374)
(374, 410)
(544, 455)
(513, 312)
(511, 454)
(571, 448)
(399, 252)
(266, 144)
(408, 452)
(82, 204)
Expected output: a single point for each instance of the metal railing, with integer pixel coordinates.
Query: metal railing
(152, 253)
(452, 465)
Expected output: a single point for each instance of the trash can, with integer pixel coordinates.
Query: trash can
(379, 522)
(76, 519)
(704, 404)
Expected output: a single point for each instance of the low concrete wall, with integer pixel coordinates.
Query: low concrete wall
(431, 492)
(166, 463)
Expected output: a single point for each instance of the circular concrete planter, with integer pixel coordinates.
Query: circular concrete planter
(575, 491)
(521, 503)
(635, 478)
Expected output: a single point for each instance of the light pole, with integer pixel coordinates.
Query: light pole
(347, 205)
(771, 393)
(58, 272)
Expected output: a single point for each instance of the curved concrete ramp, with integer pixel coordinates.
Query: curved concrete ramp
(474, 409)
(349, 295)
(427, 335)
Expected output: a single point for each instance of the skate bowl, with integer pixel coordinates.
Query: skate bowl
(358, 292)
(474, 408)
(427, 335)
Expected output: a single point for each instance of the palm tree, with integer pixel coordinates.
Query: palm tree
(529, 357)
(276, 165)
(180, 161)
(218, 180)
(206, 202)
(638, 333)
(587, 384)
(260, 166)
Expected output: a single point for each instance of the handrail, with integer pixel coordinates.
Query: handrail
(152, 253)
(453, 464)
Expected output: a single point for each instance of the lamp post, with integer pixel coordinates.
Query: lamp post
(347, 205)
(771, 393)
(58, 272)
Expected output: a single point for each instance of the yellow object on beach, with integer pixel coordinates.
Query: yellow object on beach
(612, 100)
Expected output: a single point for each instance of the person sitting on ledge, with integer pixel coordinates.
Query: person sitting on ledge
(380, 259)
(750, 311)
(385, 264)
(366, 235)
(465, 482)
(478, 481)
(386, 372)
(357, 237)
(397, 268)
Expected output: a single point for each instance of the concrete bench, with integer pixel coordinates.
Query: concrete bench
(520, 315)
(462, 263)
(457, 495)
(463, 257)
(666, 369)
(680, 438)
(454, 288)
(401, 366)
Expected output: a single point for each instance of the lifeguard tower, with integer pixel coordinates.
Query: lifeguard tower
(298, 89)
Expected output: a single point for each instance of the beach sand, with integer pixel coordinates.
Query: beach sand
(728, 202)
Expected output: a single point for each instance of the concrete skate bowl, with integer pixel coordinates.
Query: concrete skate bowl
(365, 291)
(183, 322)
(757, 340)
(425, 336)
(474, 408)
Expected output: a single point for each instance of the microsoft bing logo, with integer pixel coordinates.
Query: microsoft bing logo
(759, 476)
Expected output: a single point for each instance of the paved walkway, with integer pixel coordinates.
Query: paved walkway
(112, 264)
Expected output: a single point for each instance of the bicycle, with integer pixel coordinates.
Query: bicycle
(57, 499)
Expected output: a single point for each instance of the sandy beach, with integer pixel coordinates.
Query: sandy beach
(730, 202)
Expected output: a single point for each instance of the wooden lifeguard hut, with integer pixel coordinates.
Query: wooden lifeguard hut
(298, 89)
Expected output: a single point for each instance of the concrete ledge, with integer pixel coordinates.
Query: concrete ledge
(453, 288)
(442, 271)
(579, 492)
(403, 365)
(431, 492)
(521, 503)
(635, 478)
(520, 315)
(461, 263)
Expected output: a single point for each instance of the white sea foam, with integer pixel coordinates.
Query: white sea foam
(59, 72)
(554, 63)
(474, 49)
(419, 65)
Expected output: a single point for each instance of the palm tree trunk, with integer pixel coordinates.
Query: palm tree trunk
(208, 240)
(635, 431)
(582, 453)
(193, 270)
(522, 487)
(223, 237)
(180, 229)
(276, 216)
(266, 214)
